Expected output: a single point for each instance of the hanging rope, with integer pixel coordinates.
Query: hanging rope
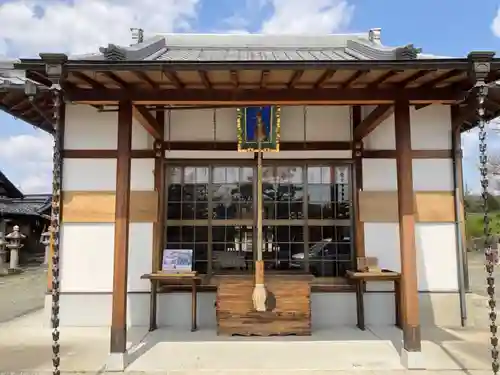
(54, 234)
(489, 255)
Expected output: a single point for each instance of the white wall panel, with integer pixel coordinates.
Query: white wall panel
(191, 125)
(87, 257)
(436, 257)
(315, 154)
(85, 128)
(89, 174)
(383, 137)
(379, 175)
(328, 123)
(142, 174)
(431, 128)
(432, 174)
(140, 255)
(225, 128)
(382, 241)
(185, 154)
(292, 123)
(88, 129)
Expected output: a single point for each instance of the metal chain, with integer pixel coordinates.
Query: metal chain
(55, 231)
(489, 255)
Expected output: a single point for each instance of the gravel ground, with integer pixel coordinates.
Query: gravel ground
(23, 293)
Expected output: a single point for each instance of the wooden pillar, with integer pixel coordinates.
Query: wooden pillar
(357, 182)
(159, 224)
(456, 143)
(118, 342)
(409, 287)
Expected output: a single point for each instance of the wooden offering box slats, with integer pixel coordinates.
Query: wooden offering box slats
(288, 306)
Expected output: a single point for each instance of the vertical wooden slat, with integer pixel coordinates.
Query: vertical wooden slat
(357, 186)
(457, 150)
(159, 224)
(409, 286)
(118, 342)
(159, 184)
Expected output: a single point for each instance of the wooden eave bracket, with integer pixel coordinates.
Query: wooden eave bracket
(374, 119)
(148, 121)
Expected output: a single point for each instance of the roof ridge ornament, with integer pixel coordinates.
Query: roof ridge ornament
(408, 52)
(374, 35)
(113, 52)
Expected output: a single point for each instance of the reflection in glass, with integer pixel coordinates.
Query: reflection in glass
(191, 238)
(283, 192)
(330, 252)
(232, 193)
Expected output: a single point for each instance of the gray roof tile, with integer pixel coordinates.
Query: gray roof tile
(251, 47)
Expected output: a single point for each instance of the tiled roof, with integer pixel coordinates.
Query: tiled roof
(29, 205)
(254, 47)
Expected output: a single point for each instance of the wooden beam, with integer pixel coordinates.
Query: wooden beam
(384, 77)
(357, 153)
(204, 78)
(234, 78)
(143, 76)
(374, 119)
(174, 79)
(263, 96)
(406, 213)
(117, 80)
(232, 146)
(159, 224)
(328, 74)
(90, 81)
(264, 78)
(412, 78)
(148, 122)
(456, 143)
(118, 342)
(443, 77)
(297, 75)
(354, 78)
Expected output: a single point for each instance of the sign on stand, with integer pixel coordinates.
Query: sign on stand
(177, 260)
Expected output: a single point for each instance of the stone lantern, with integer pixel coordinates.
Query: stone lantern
(3, 268)
(14, 245)
(45, 240)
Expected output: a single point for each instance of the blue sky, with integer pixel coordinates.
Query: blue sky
(441, 27)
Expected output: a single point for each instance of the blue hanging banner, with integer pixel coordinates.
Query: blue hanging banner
(250, 120)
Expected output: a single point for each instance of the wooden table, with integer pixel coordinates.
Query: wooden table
(360, 279)
(172, 279)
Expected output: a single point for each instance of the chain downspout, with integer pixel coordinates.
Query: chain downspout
(55, 230)
(481, 70)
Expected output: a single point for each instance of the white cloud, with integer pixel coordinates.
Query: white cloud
(308, 16)
(27, 161)
(81, 26)
(495, 25)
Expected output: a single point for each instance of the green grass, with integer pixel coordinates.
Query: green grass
(475, 224)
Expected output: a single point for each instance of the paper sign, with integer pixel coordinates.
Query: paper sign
(177, 260)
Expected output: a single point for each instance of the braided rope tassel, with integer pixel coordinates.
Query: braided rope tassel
(54, 224)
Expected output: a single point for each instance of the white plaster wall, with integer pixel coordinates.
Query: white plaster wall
(88, 129)
(435, 242)
(430, 130)
(312, 123)
(328, 310)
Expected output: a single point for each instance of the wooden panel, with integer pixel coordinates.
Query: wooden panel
(99, 206)
(382, 206)
(289, 306)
